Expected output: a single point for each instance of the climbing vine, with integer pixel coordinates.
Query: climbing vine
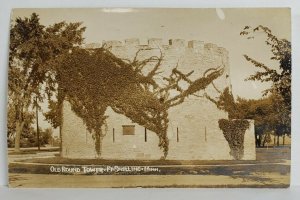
(233, 128)
(234, 132)
(94, 79)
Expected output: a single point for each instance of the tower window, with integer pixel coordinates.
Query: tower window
(128, 129)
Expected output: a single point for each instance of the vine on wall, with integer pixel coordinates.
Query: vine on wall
(235, 126)
(234, 133)
(94, 79)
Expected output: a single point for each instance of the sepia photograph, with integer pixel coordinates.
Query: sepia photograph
(149, 97)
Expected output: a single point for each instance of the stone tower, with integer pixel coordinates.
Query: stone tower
(193, 130)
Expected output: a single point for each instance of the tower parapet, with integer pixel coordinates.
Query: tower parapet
(155, 42)
(177, 43)
(132, 42)
(189, 55)
(111, 43)
(194, 45)
(210, 47)
(222, 50)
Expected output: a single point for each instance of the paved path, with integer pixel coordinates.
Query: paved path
(79, 181)
(17, 158)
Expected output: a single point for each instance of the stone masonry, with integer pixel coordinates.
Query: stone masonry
(193, 130)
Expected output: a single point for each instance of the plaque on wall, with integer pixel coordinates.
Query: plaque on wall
(140, 97)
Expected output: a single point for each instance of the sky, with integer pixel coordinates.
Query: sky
(218, 26)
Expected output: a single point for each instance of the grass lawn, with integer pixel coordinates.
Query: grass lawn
(25, 151)
(264, 155)
(67, 161)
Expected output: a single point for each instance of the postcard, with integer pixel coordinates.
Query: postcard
(149, 97)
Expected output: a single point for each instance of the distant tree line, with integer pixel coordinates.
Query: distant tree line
(270, 117)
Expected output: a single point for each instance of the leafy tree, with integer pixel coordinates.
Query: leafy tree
(11, 125)
(33, 50)
(281, 79)
(268, 115)
(46, 136)
(53, 115)
(281, 50)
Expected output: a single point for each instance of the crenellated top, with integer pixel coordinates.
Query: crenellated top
(179, 44)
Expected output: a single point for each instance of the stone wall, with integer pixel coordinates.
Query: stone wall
(193, 129)
(249, 144)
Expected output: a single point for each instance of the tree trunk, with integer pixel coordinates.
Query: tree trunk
(98, 143)
(19, 128)
(283, 140)
(277, 140)
(37, 127)
(60, 141)
(60, 102)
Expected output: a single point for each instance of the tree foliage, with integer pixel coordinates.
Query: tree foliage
(269, 113)
(11, 123)
(33, 50)
(281, 50)
(278, 117)
(54, 114)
